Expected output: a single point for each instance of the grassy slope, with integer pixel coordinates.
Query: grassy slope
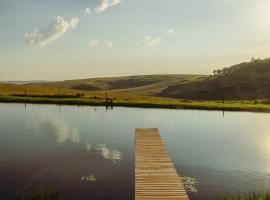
(242, 82)
(251, 196)
(120, 99)
(250, 80)
(139, 85)
(245, 81)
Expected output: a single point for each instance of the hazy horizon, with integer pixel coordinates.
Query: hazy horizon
(64, 40)
(99, 77)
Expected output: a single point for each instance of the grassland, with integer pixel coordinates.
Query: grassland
(251, 196)
(41, 94)
(146, 85)
(248, 80)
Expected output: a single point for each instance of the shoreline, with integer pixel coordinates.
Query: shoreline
(192, 105)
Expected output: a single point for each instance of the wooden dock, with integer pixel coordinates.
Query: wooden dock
(155, 175)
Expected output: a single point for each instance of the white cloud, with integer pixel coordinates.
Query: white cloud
(150, 41)
(74, 22)
(123, 37)
(87, 11)
(105, 4)
(109, 44)
(55, 30)
(170, 31)
(93, 42)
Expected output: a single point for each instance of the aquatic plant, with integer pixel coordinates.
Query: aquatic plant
(90, 178)
(42, 193)
(189, 183)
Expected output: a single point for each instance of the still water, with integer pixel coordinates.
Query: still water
(55, 146)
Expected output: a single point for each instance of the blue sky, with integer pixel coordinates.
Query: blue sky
(65, 39)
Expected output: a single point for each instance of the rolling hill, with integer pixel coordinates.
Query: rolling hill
(149, 85)
(244, 81)
(249, 80)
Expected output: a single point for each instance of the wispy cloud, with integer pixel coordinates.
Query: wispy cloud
(87, 11)
(55, 30)
(109, 44)
(150, 41)
(93, 42)
(74, 22)
(105, 4)
(170, 31)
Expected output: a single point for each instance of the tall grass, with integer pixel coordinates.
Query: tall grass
(250, 196)
(42, 94)
(42, 193)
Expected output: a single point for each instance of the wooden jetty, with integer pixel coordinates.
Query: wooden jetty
(155, 175)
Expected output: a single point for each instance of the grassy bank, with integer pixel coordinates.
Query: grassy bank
(140, 101)
(251, 196)
(51, 95)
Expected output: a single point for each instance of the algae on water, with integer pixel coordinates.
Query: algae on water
(90, 178)
(190, 184)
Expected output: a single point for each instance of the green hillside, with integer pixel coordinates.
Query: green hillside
(140, 85)
(245, 81)
(249, 80)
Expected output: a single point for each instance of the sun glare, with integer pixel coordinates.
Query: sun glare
(263, 13)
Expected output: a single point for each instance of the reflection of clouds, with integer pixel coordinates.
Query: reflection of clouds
(55, 128)
(107, 153)
(59, 130)
(88, 147)
(110, 154)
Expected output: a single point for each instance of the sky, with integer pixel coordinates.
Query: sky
(67, 39)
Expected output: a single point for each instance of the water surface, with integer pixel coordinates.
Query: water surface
(49, 145)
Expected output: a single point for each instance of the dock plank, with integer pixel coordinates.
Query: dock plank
(155, 175)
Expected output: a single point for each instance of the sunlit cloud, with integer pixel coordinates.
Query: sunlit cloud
(123, 37)
(109, 44)
(87, 11)
(105, 4)
(55, 30)
(150, 41)
(74, 22)
(170, 31)
(93, 42)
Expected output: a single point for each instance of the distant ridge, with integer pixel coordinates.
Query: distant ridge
(149, 85)
(26, 82)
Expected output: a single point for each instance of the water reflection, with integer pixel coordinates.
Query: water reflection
(55, 128)
(110, 154)
(106, 152)
(60, 131)
(229, 154)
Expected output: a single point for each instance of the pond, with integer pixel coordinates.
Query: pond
(88, 152)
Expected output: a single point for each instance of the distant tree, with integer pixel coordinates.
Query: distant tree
(219, 71)
(252, 59)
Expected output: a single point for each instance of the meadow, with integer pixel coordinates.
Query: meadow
(51, 95)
